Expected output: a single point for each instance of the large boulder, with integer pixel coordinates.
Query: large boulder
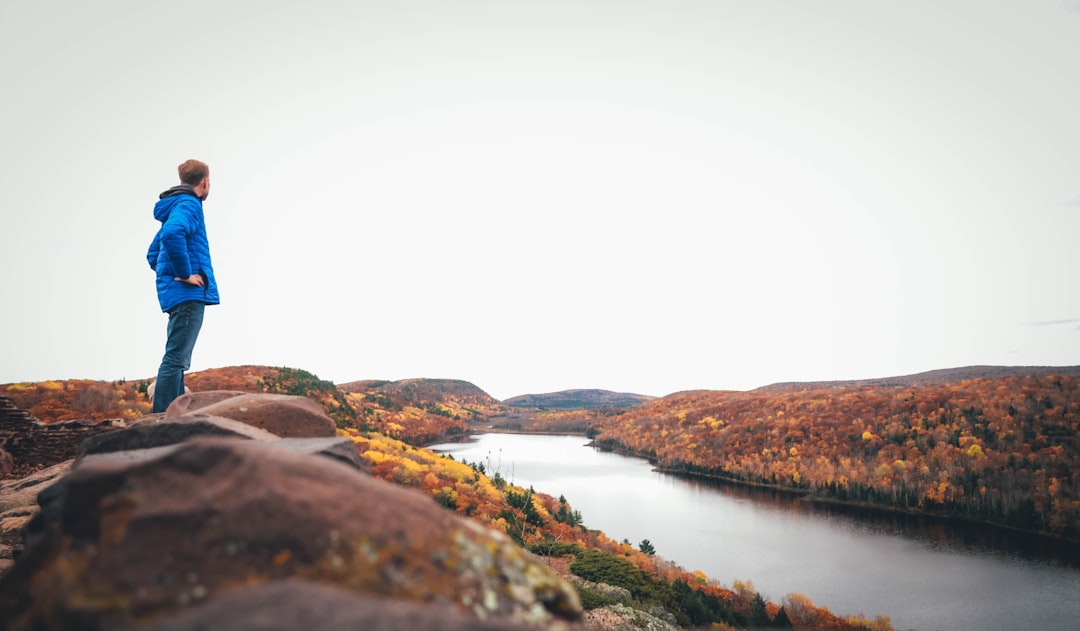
(191, 401)
(339, 448)
(281, 414)
(126, 541)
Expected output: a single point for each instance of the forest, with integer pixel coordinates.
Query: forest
(1003, 450)
(417, 411)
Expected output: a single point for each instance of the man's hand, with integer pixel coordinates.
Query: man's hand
(194, 279)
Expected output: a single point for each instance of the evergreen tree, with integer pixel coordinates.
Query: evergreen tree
(781, 619)
(758, 616)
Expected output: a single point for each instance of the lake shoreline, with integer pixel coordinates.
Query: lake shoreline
(810, 497)
(801, 495)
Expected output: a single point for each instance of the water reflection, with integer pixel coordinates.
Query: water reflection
(936, 533)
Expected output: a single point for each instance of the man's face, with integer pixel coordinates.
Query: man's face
(204, 188)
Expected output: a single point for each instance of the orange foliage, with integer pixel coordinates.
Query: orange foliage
(415, 410)
(1003, 450)
(80, 399)
(418, 411)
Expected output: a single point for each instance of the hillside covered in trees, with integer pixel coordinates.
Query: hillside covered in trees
(1003, 450)
(417, 411)
(551, 528)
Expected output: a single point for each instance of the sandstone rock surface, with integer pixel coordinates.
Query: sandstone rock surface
(294, 604)
(169, 432)
(280, 414)
(619, 617)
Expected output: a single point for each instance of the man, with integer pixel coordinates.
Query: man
(180, 255)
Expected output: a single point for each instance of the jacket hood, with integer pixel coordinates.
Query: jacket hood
(169, 198)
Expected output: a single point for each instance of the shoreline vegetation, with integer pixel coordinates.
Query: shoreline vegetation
(799, 494)
(1001, 452)
(809, 496)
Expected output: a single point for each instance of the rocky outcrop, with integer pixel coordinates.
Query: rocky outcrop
(169, 432)
(31, 445)
(218, 533)
(18, 504)
(281, 414)
(619, 617)
(614, 593)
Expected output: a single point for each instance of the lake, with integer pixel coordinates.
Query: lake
(926, 574)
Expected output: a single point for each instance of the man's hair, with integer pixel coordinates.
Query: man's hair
(192, 172)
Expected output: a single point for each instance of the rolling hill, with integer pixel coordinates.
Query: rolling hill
(577, 400)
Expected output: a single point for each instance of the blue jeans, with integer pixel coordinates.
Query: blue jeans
(185, 320)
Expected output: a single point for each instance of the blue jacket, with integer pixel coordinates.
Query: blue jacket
(180, 249)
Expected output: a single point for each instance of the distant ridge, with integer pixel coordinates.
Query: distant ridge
(577, 400)
(944, 375)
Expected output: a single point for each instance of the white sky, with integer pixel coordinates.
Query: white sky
(644, 196)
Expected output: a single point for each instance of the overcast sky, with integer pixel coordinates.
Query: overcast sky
(645, 196)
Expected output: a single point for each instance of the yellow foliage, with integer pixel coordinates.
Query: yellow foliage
(743, 588)
(879, 623)
(712, 423)
(411, 465)
(375, 457)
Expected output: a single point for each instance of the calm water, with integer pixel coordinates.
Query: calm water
(925, 574)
